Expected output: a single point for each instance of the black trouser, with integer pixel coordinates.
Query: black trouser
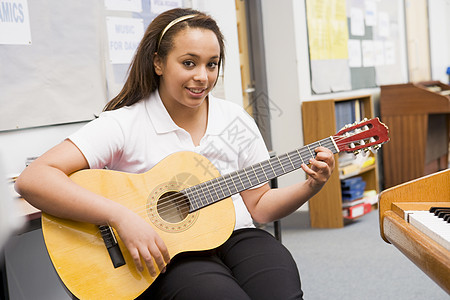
(251, 264)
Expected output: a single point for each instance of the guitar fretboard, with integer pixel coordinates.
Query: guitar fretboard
(219, 188)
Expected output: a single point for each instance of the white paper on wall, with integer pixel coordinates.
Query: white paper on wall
(14, 23)
(124, 35)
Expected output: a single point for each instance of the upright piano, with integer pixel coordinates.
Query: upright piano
(427, 245)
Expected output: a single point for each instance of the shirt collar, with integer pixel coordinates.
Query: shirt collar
(159, 116)
(163, 123)
(215, 116)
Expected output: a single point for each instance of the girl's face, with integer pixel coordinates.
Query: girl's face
(190, 69)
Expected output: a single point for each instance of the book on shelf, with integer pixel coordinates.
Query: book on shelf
(352, 195)
(356, 201)
(350, 182)
(347, 204)
(359, 207)
(356, 211)
(348, 112)
(352, 188)
(369, 197)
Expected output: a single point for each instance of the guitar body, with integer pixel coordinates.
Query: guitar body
(78, 251)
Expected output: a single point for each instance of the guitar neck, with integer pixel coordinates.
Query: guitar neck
(219, 188)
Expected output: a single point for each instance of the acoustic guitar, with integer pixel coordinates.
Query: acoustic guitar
(186, 201)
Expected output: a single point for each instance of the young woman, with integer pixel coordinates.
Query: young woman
(164, 107)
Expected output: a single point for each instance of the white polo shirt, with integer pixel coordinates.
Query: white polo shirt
(134, 139)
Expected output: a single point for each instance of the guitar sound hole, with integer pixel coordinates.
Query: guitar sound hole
(173, 207)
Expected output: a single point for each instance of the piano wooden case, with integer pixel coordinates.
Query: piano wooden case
(419, 194)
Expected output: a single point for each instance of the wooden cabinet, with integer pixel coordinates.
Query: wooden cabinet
(319, 121)
(418, 118)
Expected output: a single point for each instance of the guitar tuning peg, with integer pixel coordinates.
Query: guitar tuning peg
(356, 152)
(363, 152)
(375, 149)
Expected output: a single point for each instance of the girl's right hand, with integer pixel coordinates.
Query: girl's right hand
(142, 241)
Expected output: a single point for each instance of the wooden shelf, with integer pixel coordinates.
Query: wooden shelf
(319, 121)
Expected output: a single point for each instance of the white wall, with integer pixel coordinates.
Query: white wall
(439, 12)
(282, 79)
(17, 146)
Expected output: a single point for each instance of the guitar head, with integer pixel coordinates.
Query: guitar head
(367, 134)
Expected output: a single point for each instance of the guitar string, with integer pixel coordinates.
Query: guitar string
(258, 174)
(258, 171)
(172, 209)
(284, 157)
(186, 211)
(336, 139)
(203, 197)
(173, 205)
(215, 183)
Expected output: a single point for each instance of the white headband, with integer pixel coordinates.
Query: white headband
(177, 20)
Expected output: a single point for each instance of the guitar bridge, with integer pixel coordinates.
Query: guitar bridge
(111, 244)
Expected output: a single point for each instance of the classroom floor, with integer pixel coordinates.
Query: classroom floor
(353, 262)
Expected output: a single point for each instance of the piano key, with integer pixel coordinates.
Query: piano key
(434, 208)
(432, 226)
(442, 213)
(447, 218)
(441, 210)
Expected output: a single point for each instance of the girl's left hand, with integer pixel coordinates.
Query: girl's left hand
(320, 168)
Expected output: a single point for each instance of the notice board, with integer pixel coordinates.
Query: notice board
(355, 44)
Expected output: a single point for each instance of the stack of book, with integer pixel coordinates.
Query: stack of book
(353, 202)
(352, 188)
